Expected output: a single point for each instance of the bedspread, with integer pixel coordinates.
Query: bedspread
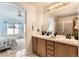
(6, 43)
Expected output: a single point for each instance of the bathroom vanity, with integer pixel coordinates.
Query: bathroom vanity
(46, 46)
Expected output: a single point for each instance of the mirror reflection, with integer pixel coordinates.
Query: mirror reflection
(63, 21)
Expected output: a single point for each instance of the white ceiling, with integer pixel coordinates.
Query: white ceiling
(9, 11)
(41, 4)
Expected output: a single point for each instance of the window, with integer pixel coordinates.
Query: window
(9, 31)
(51, 24)
(12, 29)
(16, 29)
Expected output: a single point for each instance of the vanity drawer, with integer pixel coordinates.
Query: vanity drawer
(50, 52)
(50, 42)
(49, 55)
(50, 47)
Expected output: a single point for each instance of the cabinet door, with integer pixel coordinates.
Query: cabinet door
(64, 50)
(34, 44)
(41, 47)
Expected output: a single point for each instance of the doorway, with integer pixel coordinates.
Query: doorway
(12, 25)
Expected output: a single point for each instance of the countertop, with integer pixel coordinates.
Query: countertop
(59, 38)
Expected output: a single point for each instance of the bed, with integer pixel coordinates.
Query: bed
(6, 43)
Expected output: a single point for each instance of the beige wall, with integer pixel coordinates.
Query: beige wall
(39, 18)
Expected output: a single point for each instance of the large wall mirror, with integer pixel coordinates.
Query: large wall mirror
(64, 20)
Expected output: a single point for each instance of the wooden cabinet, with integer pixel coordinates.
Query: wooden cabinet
(41, 47)
(64, 50)
(34, 45)
(48, 48)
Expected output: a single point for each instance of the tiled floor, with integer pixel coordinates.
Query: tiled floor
(7, 54)
(10, 53)
(32, 55)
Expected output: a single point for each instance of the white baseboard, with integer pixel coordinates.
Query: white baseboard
(23, 53)
(28, 52)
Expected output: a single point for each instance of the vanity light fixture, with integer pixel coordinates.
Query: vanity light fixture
(57, 6)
